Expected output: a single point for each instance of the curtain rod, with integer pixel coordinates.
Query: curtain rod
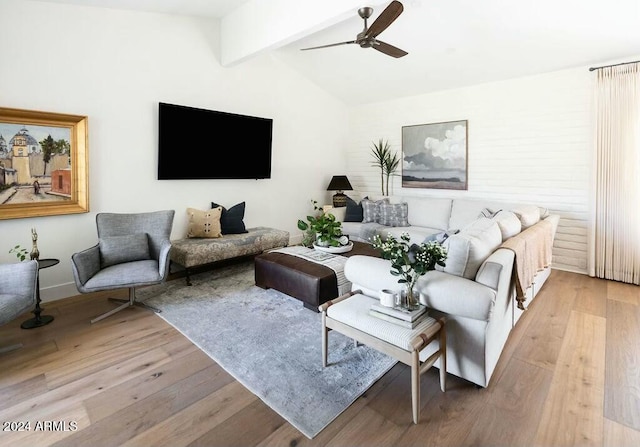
(614, 65)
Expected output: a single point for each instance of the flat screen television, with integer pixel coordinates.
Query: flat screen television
(206, 144)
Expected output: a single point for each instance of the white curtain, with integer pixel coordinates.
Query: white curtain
(616, 244)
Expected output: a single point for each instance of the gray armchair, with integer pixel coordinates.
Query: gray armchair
(18, 284)
(132, 251)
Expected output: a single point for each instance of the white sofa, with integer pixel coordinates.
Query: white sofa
(476, 290)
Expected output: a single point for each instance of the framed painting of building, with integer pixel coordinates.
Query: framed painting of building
(435, 155)
(43, 164)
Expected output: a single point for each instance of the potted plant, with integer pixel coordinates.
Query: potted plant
(387, 161)
(322, 229)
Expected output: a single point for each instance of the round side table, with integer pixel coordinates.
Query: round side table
(39, 320)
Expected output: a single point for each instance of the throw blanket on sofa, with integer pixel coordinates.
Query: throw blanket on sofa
(334, 262)
(532, 249)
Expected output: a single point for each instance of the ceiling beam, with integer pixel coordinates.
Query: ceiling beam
(260, 25)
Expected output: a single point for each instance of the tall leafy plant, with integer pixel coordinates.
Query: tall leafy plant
(390, 167)
(387, 161)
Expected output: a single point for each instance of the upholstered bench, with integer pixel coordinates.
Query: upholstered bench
(349, 315)
(195, 252)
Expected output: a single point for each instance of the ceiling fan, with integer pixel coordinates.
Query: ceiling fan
(367, 37)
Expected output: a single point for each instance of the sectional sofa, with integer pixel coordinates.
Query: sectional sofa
(480, 290)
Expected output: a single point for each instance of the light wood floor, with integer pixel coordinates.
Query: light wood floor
(569, 375)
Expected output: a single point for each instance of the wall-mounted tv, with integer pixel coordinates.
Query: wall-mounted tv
(207, 144)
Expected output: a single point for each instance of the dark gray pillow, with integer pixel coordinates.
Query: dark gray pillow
(354, 211)
(119, 249)
(232, 219)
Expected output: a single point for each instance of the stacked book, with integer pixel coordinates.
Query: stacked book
(398, 315)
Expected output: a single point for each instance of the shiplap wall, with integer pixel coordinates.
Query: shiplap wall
(529, 141)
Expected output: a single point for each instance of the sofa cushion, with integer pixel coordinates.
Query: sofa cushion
(439, 237)
(394, 214)
(508, 223)
(488, 212)
(119, 249)
(468, 249)
(465, 211)
(371, 210)
(429, 212)
(339, 213)
(528, 214)
(362, 232)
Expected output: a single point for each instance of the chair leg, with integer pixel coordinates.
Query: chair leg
(124, 304)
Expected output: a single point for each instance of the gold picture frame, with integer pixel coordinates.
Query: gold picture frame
(44, 164)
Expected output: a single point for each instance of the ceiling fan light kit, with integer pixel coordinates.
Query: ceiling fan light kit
(367, 37)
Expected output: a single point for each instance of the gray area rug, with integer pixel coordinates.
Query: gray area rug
(270, 343)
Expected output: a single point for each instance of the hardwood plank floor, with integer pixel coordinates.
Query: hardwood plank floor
(569, 375)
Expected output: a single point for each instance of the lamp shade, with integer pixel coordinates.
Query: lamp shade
(339, 183)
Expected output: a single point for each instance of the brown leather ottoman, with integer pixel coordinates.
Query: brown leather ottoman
(311, 283)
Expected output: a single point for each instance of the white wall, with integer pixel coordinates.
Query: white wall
(529, 141)
(115, 66)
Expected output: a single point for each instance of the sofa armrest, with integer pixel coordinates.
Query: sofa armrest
(163, 258)
(456, 295)
(496, 267)
(370, 275)
(438, 290)
(554, 219)
(85, 264)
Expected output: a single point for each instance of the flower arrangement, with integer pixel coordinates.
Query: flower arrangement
(410, 261)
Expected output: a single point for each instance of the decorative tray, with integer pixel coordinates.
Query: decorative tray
(341, 249)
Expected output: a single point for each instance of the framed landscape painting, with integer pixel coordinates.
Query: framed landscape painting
(43, 164)
(435, 155)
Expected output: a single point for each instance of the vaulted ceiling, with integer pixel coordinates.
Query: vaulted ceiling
(450, 43)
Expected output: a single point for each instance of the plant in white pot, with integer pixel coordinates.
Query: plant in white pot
(322, 229)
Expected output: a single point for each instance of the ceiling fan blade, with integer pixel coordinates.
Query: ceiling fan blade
(327, 46)
(389, 50)
(385, 19)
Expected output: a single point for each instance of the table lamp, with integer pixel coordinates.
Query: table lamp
(339, 183)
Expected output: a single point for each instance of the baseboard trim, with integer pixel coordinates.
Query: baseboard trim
(58, 292)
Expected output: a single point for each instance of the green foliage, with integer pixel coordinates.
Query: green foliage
(54, 147)
(410, 261)
(386, 161)
(322, 227)
(48, 146)
(21, 253)
(51, 147)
